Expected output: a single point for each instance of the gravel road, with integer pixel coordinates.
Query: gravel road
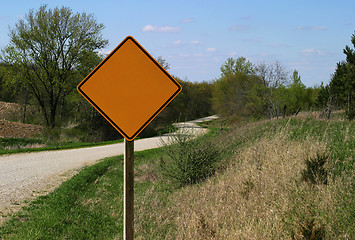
(25, 176)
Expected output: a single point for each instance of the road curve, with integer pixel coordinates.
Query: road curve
(25, 176)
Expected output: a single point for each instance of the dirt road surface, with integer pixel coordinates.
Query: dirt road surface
(25, 176)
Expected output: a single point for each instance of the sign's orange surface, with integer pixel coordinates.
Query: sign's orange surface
(129, 88)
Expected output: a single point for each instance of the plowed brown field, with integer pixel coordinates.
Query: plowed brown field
(9, 129)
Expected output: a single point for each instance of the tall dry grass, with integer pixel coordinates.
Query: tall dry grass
(261, 195)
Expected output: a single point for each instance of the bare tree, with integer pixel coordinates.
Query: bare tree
(273, 76)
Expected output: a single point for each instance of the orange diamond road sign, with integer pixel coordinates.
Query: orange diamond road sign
(129, 88)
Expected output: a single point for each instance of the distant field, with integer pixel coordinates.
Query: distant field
(10, 125)
(265, 188)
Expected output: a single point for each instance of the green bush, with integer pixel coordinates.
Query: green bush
(188, 160)
(315, 171)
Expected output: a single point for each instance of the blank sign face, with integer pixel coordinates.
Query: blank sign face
(129, 88)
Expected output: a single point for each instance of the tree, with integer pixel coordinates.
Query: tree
(52, 50)
(297, 96)
(163, 63)
(193, 102)
(233, 66)
(5, 94)
(342, 83)
(273, 77)
(248, 90)
(236, 91)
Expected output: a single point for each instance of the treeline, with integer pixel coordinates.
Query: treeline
(260, 91)
(243, 90)
(75, 113)
(268, 90)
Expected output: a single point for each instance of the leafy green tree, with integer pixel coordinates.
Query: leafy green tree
(51, 51)
(239, 65)
(297, 93)
(193, 102)
(5, 94)
(247, 90)
(256, 105)
(323, 96)
(229, 94)
(236, 91)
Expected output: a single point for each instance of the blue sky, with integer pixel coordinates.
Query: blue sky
(197, 36)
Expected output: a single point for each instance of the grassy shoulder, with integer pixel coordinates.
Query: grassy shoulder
(258, 192)
(21, 145)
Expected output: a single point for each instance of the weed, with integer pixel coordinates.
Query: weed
(189, 160)
(248, 186)
(308, 230)
(315, 171)
(206, 231)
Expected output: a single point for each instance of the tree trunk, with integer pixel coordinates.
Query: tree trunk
(25, 108)
(329, 107)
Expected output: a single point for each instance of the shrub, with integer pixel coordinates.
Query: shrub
(315, 171)
(308, 230)
(189, 160)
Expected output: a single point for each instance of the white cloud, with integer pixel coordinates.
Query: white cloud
(195, 42)
(308, 51)
(177, 43)
(312, 51)
(151, 28)
(280, 45)
(211, 50)
(312, 28)
(187, 20)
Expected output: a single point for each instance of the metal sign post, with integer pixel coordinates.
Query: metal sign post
(128, 202)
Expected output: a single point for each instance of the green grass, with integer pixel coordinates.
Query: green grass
(21, 145)
(15, 143)
(338, 135)
(18, 145)
(89, 205)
